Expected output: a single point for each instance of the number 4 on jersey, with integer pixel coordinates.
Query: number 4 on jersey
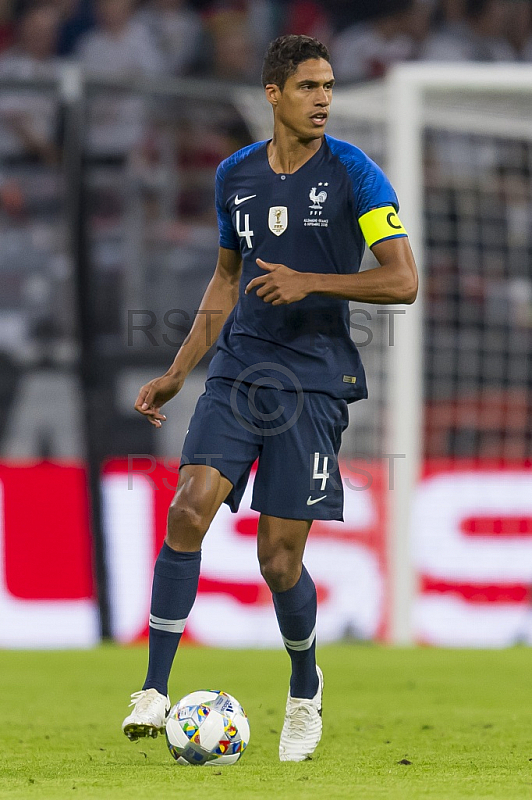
(246, 233)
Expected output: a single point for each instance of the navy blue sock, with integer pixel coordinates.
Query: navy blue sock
(296, 614)
(175, 584)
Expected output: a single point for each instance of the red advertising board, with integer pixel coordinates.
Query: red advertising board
(46, 583)
(472, 549)
(471, 546)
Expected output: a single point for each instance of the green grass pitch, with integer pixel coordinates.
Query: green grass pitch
(420, 723)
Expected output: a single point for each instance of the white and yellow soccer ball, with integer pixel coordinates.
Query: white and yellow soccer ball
(207, 727)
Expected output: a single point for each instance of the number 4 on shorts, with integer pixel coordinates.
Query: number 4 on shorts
(323, 475)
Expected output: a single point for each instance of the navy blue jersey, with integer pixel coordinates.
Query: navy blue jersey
(307, 220)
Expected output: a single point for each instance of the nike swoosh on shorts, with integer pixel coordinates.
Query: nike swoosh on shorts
(311, 502)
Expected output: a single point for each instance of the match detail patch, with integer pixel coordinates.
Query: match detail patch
(380, 223)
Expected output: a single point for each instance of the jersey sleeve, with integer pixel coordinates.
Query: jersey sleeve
(373, 189)
(228, 237)
(377, 205)
(375, 202)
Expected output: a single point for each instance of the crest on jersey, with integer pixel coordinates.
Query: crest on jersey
(278, 219)
(318, 197)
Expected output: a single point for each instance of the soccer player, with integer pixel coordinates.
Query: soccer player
(293, 215)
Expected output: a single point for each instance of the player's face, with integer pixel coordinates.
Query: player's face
(304, 103)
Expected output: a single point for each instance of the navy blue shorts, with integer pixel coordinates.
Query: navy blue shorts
(295, 436)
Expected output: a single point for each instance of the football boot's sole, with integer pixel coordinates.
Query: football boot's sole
(133, 731)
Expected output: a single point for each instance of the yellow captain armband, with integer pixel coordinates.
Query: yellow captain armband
(380, 223)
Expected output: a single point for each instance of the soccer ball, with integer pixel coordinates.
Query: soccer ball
(207, 727)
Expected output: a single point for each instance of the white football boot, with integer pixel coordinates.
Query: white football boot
(302, 725)
(148, 717)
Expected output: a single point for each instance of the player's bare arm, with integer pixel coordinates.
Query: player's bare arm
(218, 301)
(394, 281)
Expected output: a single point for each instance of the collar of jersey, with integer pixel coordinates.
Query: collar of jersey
(312, 160)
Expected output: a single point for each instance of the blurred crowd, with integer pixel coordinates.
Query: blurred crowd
(225, 39)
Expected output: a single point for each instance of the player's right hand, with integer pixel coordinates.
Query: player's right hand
(155, 394)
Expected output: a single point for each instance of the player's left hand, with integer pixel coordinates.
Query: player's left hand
(280, 285)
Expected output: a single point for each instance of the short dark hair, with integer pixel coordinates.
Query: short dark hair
(286, 53)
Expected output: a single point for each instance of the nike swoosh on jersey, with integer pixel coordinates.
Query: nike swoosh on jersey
(239, 200)
(311, 502)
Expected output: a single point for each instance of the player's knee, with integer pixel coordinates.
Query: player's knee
(186, 526)
(280, 570)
